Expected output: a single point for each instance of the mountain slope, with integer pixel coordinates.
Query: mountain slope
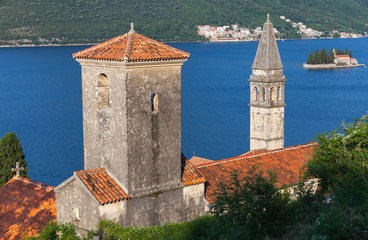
(167, 20)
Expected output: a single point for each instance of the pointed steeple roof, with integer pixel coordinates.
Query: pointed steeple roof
(131, 47)
(268, 56)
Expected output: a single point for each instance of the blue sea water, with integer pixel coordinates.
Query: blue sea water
(41, 100)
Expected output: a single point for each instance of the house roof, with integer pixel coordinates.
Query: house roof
(101, 184)
(196, 161)
(342, 56)
(103, 188)
(131, 47)
(190, 175)
(26, 206)
(286, 162)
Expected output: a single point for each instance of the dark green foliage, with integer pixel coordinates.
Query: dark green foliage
(322, 57)
(310, 58)
(10, 153)
(253, 207)
(79, 21)
(55, 231)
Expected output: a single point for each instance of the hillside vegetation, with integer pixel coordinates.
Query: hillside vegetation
(81, 21)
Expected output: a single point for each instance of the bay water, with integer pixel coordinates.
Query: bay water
(41, 100)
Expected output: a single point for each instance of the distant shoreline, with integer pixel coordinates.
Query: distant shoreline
(211, 41)
(329, 66)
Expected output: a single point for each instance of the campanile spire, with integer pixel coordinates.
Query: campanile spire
(267, 87)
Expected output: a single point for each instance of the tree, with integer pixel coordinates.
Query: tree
(332, 56)
(10, 153)
(316, 57)
(350, 53)
(341, 163)
(253, 205)
(310, 58)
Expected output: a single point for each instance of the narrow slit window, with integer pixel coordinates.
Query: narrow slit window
(76, 214)
(278, 94)
(103, 91)
(263, 94)
(271, 94)
(255, 97)
(154, 102)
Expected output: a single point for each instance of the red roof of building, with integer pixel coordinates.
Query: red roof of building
(131, 47)
(342, 56)
(196, 161)
(286, 162)
(102, 186)
(106, 190)
(25, 208)
(190, 175)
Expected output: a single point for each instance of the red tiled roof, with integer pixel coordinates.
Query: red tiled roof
(132, 47)
(196, 161)
(342, 56)
(26, 207)
(190, 175)
(286, 162)
(102, 186)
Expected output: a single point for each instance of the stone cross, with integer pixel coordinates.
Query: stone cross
(17, 169)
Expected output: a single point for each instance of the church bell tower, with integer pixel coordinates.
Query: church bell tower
(267, 94)
(132, 111)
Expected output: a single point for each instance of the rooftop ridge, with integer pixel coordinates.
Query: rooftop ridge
(90, 171)
(75, 55)
(257, 155)
(41, 185)
(165, 46)
(129, 45)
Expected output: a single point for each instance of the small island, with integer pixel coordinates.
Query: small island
(336, 59)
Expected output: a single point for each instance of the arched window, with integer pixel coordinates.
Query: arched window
(263, 94)
(271, 94)
(103, 91)
(154, 102)
(278, 93)
(255, 94)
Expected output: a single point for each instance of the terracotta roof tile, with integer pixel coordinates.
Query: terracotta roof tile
(286, 162)
(197, 161)
(102, 186)
(131, 47)
(342, 56)
(26, 207)
(190, 175)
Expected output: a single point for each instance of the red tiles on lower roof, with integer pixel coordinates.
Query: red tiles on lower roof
(102, 186)
(25, 207)
(286, 162)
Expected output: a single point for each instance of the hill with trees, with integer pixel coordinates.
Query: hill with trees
(82, 21)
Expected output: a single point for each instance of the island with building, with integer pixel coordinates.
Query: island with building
(335, 59)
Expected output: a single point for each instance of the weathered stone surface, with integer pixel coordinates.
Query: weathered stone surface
(267, 95)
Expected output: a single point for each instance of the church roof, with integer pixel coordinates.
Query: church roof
(267, 56)
(286, 162)
(196, 161)
(131, 47)
(26, 206)
(103, 188)
(342, 56)
(101, 184)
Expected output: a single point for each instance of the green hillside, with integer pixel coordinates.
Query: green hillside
(78, 21)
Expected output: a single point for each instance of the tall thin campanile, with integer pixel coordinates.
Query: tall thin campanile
(267, 92)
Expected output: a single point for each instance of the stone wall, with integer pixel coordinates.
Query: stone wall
(72, 196)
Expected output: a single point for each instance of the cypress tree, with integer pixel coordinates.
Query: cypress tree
(310, 58)
(10, 153)
(332, 56)
(350, 53)
(316, 57)
(347, 52)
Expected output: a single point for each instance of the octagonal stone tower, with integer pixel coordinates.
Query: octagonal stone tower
(132, 111)
(267, 91)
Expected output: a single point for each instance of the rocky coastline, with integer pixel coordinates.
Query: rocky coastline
(329, 66)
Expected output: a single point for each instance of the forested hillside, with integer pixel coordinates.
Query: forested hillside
(80, 21)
